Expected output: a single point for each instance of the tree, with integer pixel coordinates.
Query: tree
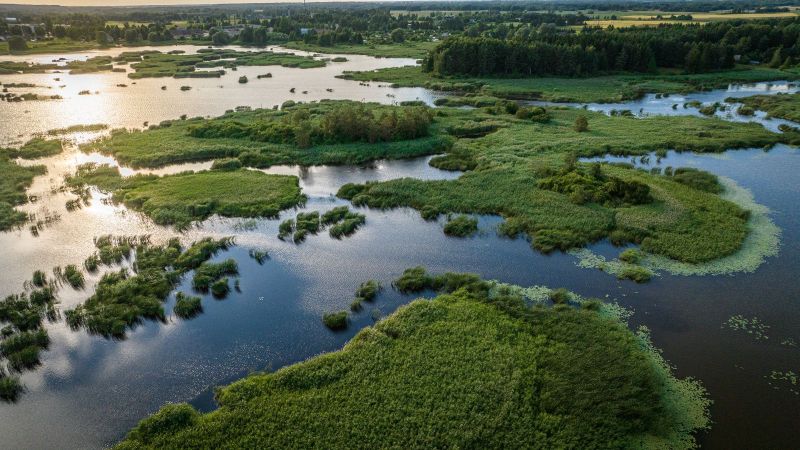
(260, 36)
(103, 38)
(132, 36)
(220, 38)
(398, 35)
(581, 124)
(247, 36)
(17, 44)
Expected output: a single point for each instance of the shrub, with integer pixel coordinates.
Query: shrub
(243, 79)
(636, 273)
(39, 278)
(415, 279)
(10, 388)
(74, 276)
(208, 273)
(581, 124)
(631, 255)
(560, 296)
(335, 321)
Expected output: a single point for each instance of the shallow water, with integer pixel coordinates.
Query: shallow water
(673, 105)
(89, 391)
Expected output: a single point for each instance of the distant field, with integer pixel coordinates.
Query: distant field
(650, 18)
(121, 23)
(624, 23)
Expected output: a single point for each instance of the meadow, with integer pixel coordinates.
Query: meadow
(183, 198)
(475, 367)
(526, 172)
(263, 138)
(598, 89)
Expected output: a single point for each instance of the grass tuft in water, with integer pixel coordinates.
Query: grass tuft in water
(187, 306)
(335, 321)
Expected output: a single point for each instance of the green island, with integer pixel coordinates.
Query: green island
(528, 173)
(15, 181)
(475, 367)
(340, 220)
(122, 299)
(596, 89)
(186, 197)
(782, 106)
(35, 148)
(327, 132)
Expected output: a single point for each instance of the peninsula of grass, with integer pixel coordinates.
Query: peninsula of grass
(327, 132)
(186, 197)
(124, 298)
(782, 106)
(407, 49)
(600, 89)
(527, 173)
(472, 368)
(36, 148)
(187, 306)
(14, 181)
(149, 64)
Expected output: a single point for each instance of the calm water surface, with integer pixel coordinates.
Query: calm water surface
(89, 391)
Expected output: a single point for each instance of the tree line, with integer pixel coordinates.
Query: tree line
(553, 52)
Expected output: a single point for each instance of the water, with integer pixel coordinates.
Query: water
(89, 391)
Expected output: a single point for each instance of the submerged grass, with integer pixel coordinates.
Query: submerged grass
(477, 360)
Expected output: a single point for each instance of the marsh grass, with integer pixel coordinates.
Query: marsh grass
(10, 387)
(208, 273)
(335, 321)
(260, 256)
(459, 355)
(220, 288)
(14, 181)
(461, 226)
(784, 106)
(186, 306)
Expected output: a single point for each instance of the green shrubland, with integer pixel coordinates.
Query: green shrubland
(472, 368)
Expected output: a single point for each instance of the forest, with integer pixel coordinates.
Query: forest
(548, 51)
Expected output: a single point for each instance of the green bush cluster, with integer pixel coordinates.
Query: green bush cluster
(187, 306)
(208, 273)
(340, 221)
(461, 226)
(335, 321)
(123, 299)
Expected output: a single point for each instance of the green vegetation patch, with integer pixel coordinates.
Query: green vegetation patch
(600, 89)
(187, 306)
(527, 173)
(783, 106)
(407, 49)
(180, 199)
(150, 64)
(124, 298)
(36, 148)
(476, 360)
(14, 181)
(328, 132)
(340, 221)
(461, 226)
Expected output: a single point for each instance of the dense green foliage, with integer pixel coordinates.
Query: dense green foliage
(35, 148)
(461, 226)
(209, 273)
(784, 106)
(368, 290)
(187, 306)
(14, 181)
(594, 50)
(474, 368)
(335, 321)
(180, 199)
(328, 132)
(123, 299)
(523, 175)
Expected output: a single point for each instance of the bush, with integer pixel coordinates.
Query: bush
(220, 288)
(10, 388)
(631, 256)
(335, 321)
(74, 276)
(415, 279)
(581, 124)
(461, 226)
(186, 306)
(39, 278)
(368, 290)
(636, 273)
(560, 296)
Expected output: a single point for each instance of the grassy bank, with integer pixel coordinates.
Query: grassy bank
(782, 106)
(58, 46)
(180, 199)
(408, 49)
(305, 134)
(526, 172)
(13, 183)
(472, 368)
(602, 89)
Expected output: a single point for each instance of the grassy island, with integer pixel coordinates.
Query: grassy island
(180, 199)
(782, 106)
(328, 132)
(600, 89)
(474, 367)
(528, 173)
(15, 180)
